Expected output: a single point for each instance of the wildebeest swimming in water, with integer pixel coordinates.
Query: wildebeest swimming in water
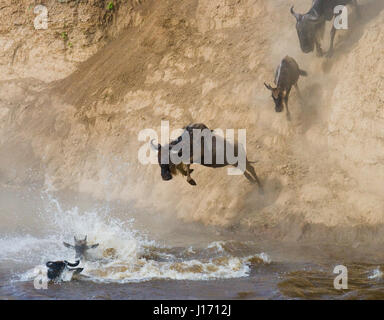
(168, 168)
(81, 247)
(56, 269)
(310, 26)
(286, 76)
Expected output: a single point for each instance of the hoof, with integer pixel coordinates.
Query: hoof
(192, 182)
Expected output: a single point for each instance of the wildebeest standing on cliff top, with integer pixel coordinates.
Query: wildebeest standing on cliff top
(310, 26)
(287, 74)
(168, 169)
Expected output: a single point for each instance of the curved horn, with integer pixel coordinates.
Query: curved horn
(154, 147)
(72, 264)
(313, 18)
(268, 86)
(296, 15)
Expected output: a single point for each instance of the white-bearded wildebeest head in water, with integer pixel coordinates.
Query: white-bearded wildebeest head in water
(56, 269)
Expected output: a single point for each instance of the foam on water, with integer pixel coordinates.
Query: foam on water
(123, 254)
(376, 274)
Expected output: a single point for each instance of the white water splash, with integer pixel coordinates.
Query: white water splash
(123, 254)
(376, 274)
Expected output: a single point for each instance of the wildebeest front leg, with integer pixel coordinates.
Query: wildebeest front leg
(182, 168)
(189, 179)
(333, 34)
(319, 50)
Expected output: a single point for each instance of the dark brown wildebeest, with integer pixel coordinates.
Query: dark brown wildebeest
(287, 74)
(310, 26)
(211, 154)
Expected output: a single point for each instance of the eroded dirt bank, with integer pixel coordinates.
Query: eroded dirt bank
(71, 125)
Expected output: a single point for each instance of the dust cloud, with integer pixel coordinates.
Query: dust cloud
(199, 61)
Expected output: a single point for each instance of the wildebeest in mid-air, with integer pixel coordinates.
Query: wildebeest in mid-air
(168, 169)
(287, 74)
(311, 25)
(81, 247)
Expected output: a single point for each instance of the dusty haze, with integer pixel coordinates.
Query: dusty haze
(70, 114)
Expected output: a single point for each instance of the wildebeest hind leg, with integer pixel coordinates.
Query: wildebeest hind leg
(249, 177)
(252, 172)
(189, 179)
(333, 34)
(286, 107)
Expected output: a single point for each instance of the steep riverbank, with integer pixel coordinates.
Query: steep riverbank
(70, 114)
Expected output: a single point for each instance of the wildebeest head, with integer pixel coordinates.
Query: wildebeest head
(307, 26)
(278, 97)
(80, 247)
(163, 157)
(56, 269)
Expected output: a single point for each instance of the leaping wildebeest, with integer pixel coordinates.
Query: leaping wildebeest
(207, 156)
(287, 75)
(311, 25)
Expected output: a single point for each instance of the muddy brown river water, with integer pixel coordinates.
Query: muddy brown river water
(180, 261)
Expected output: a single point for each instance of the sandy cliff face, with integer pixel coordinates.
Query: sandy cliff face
(205, 61)
(357, 109)
(76, 30)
